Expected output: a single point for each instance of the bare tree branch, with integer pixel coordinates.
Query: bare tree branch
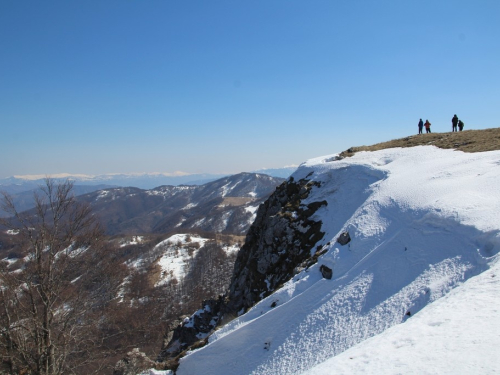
(53, 304)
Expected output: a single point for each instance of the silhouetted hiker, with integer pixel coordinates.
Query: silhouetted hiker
(460, 125)
(420, 126)
(454, 122)
(427, 126)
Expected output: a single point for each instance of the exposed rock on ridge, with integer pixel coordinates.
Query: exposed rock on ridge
(278, 243)
(279, 240)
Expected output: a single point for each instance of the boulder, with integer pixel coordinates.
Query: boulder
(327, 272)
(344, 238)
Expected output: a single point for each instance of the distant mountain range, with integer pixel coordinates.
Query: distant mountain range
(227, 205)
(18, 184)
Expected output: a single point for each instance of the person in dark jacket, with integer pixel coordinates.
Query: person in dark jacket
(420, 126)
(454, 123)
(460, 125)
(427, 126)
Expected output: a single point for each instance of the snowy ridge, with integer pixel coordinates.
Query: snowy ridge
(422, 221)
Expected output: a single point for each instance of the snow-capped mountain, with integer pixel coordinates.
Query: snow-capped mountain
(227, 205)
(356, 259)
(22, 183)
(140, 180)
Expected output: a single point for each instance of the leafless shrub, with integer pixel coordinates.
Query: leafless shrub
(53, 307)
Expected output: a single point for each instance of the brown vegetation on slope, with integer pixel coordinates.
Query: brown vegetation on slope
(466, 141)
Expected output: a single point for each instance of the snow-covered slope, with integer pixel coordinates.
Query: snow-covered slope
(457, 334)
(422, 221)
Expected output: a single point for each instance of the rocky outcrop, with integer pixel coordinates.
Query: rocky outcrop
(193, 329)
(279, 241)
(326, 272)
(278, 244)
(344, 238)
(134, 362)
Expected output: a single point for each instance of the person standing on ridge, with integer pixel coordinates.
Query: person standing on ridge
(454, 122)
(420, 126)
(427, 126)
(460, 125)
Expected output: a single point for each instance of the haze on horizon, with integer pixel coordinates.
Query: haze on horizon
(225, 87)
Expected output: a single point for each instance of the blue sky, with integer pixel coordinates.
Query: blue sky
(228, 86)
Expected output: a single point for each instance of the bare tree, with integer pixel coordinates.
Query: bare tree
(51, 308)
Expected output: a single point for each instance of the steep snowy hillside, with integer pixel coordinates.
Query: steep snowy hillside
(421, 220)
(458, 334)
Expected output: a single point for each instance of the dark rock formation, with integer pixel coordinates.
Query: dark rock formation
(326, 272)
(279, 240)
(193, 329)
(344, 238)
(277, 245)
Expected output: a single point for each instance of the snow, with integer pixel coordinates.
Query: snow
(189, 206)
(414, 292)
(103, 194)
(252, 210)
(157, 372)
(10, 261)
(135, 240)
(457, 334)
(180, 222)
(176, 255)
(225, 189)
(224, 220)
(231, 249)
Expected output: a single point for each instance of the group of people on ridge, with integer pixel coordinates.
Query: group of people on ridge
(454, 122)
(421, 126)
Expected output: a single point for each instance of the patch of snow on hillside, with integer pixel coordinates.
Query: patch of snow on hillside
(252, 209)
(189, 206)
(180, 222)
(135, 240)
(224, 220)
(225, 189)
(12, 232)
(422, 221)
(156, 192)
(231, 249)
(178, 250)
(9, 261)
(103, 194)
(236, 184)
(199, 222)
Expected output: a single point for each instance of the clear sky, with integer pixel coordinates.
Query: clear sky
(228, 86)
